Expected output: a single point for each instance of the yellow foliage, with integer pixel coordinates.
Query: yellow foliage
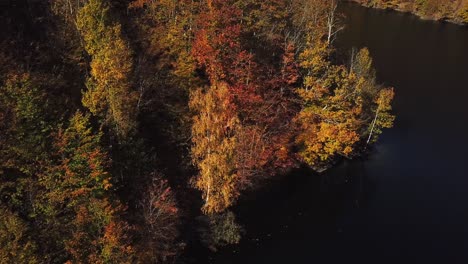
(463, 12)
(109, 94)
(15, 244)
(339, 107)
(214, 143)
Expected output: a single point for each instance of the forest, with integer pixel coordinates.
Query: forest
(449, 10)
(130, 129)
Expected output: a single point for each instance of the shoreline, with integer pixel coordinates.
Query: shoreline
(406, 8)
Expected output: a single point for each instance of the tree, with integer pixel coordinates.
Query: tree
(341, 108)
(463, 12)
(220, 229)
(159, 229)
(261, 92)
(265, 19)
(16, 245)
(383, 117)
(76, 204)
(68, 9)
(165, 68)
(23, 109)
(333, 23)
(26, 122)
(376, 100)
(216, 126)
(329, 121)
(109, 94)
(214, 142)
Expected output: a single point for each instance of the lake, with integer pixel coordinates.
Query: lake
(407, 201)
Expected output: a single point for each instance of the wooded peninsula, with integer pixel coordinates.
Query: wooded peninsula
(130, 129)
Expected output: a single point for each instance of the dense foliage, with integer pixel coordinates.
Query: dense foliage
(118, 118)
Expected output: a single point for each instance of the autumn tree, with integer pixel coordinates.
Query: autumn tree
(265, 20)
(336, 102)
(68, 44)
(341, 108)
(376, 99)
(24, 126)
(109, 93)
(75, 204)
(329, 119)
(261, 95)
(16, 245)
(219, 230)
(165, 73)
(383, 117)
(26, 122)
(167, 31)
(160, 219)
(219, 138)
(214, 142)
(216, 123)
(265, 142)
(68, 9)
(462, 13)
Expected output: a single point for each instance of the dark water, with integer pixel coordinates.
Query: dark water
(408, 201)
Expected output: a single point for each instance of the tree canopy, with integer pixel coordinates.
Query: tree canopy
(123, 123)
